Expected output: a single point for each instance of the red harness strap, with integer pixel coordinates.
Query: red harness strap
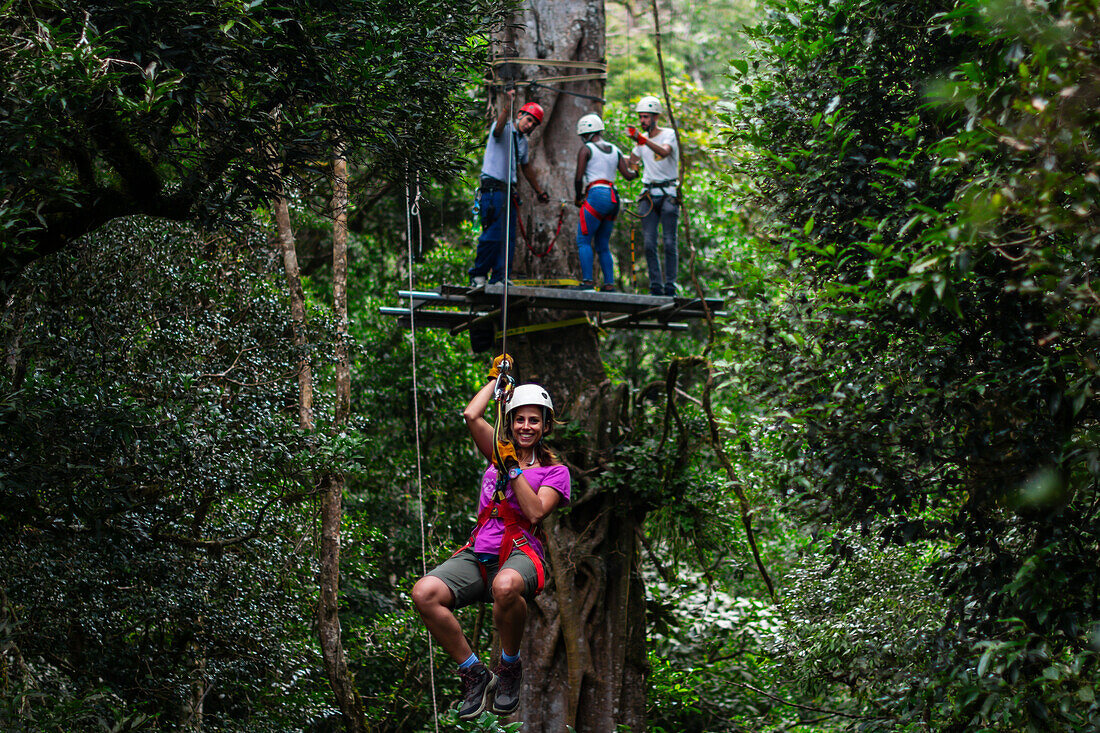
(587, 207)
(514, 526)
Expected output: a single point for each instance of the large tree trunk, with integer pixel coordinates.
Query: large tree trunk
(584, 647)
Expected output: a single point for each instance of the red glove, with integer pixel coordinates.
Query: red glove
(498, 364)
(633, 134)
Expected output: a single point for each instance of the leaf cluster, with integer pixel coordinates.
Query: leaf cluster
(201, 110)
(922, 362)
(152, 485)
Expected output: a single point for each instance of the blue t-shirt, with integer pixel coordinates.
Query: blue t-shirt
(495, 162)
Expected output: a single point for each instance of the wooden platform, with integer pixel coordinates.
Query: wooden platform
(456, 308)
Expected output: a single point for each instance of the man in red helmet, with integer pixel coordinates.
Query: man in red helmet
(505, 151)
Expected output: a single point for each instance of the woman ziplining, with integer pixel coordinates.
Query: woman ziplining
(503, 562)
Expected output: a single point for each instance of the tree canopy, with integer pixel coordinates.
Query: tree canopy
(898, 200)
(925, 170)
(200, 110)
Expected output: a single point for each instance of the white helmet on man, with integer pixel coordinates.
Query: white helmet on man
(589, 123)
(530, 394)
(649, 104)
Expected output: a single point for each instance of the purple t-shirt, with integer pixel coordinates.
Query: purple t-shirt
(541, 478)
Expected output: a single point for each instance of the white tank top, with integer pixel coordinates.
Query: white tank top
(601, 165)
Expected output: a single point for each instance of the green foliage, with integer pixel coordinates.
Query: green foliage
(865, 617)
(697, 40)
(706, 644)
(198, 110)
(922, 358)
(152, 485)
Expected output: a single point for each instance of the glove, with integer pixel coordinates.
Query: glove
(633, 133)
(506, 453)
(543, 197)
(498, 363)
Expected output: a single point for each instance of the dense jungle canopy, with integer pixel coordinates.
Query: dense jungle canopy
(898, 201)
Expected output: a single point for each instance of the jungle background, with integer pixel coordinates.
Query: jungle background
(898, 201)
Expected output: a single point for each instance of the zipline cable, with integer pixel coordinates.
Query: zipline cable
(412, 207)
(508, 221)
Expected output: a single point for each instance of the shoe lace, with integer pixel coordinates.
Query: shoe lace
(508, 675)
(470, 678)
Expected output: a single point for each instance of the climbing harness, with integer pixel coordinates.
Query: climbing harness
(516, 528)
(587, 208)
(412, 207)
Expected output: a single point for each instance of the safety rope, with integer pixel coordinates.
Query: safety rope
(508, 220)
(596, 76)
(544, 82)
(550, 246)
(563, 63)
(534, 85)
(412, 207)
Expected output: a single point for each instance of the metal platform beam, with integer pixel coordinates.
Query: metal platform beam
(483, 303)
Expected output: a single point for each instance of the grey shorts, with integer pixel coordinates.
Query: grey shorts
(463, 577)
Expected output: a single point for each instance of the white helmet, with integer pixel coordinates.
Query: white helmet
(649, 104)
(530, 394)
(589, 123)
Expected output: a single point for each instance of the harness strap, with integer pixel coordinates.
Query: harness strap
(514, 527)
(587, 207)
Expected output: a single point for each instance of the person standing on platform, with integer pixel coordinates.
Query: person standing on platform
(505, 150)
(656, 149)
(594, 192)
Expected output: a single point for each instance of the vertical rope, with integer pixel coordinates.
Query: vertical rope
(507, 225)
(409, 206)
(684, 209)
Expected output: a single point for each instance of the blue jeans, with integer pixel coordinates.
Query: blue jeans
(664, 211)
(490, 253)
(593, 233)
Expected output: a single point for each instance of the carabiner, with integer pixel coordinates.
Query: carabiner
(504, 384)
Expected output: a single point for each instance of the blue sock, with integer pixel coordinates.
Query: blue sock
(470, 661)
(506, 657)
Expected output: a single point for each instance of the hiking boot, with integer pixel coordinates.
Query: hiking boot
(478, 685)
(607, 288)
(670, 290)
(507, 697)
(477, 281)
(585, 285)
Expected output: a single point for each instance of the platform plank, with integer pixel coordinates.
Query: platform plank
(627, 310)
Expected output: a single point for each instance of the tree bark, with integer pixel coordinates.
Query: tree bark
(584, 646)
(332, 513)
(297, 312)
